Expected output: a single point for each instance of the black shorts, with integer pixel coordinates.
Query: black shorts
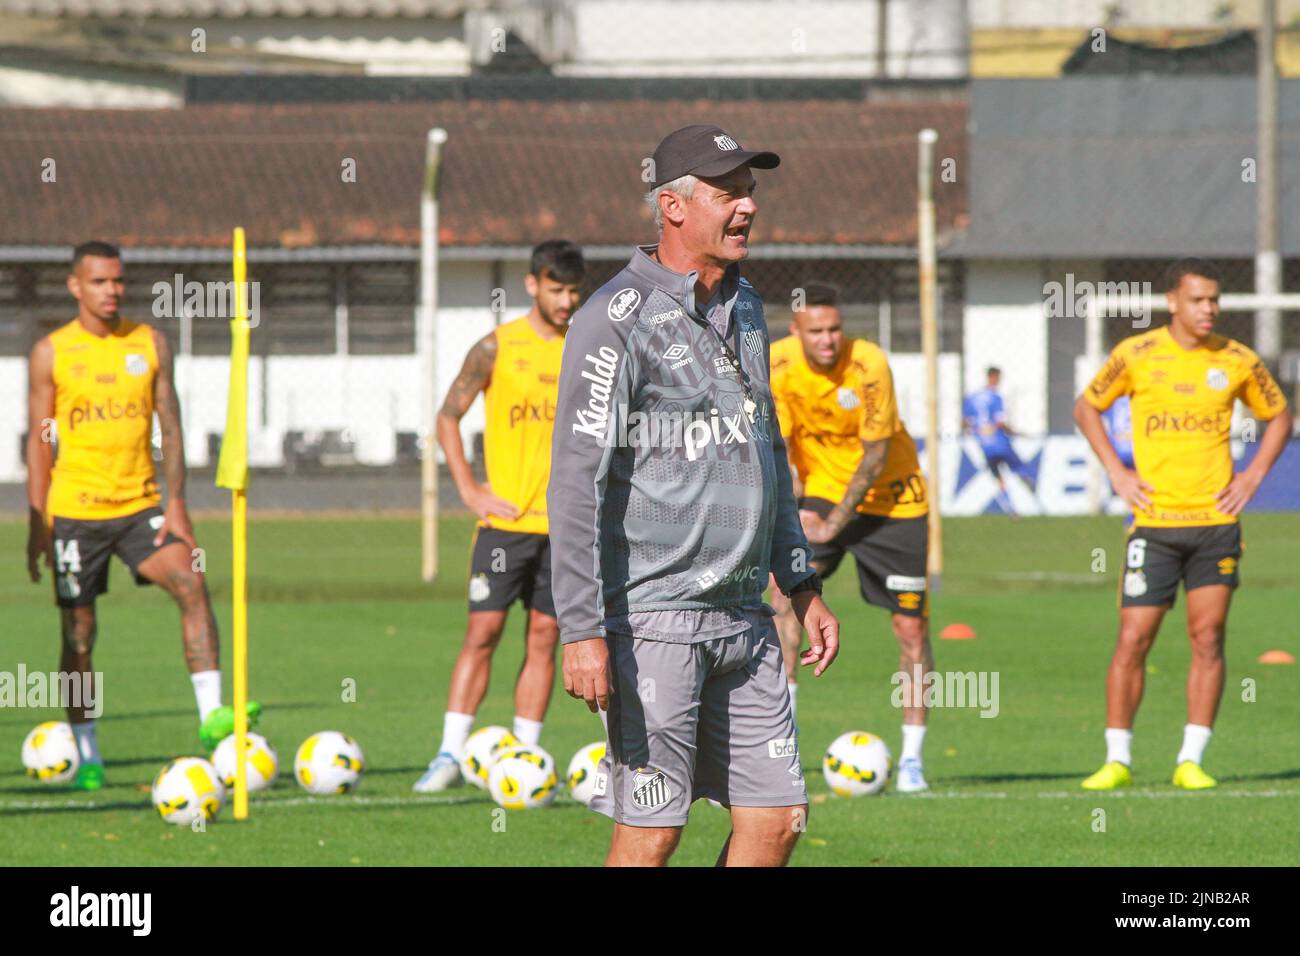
(1156, 559)
(890, 554)
(82, 549)
(506, 566)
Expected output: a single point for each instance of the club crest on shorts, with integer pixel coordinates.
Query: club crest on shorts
(650, 788)
(479, 589)
(754, 341)
(1135, 584)
(136, 364)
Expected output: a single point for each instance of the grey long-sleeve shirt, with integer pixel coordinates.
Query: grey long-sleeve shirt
(669, 499)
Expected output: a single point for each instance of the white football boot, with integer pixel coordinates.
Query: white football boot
(910, 777)
(443, 773)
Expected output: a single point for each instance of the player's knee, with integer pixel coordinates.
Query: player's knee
(543, 636)
(911, 634)
(1133, 645)
(187, 588)
(1207, 640)
(483, 639)
(79, 630)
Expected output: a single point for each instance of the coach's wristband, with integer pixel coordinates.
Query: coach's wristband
(811, 583)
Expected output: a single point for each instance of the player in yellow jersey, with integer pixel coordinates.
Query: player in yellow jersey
(517, 368)
(862, 489)
(1183, 381)
(95, 385)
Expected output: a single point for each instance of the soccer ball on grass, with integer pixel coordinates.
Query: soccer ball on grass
(523, 778)
(857, 764)
(329, 762)
(186, 789)
(50, 753)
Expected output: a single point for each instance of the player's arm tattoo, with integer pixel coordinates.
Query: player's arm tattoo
(868, 470)
(474, 377)
(167, 407)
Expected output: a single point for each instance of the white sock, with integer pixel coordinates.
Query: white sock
(207, 691)
(1118, 741)
(1195, 737)
(87, 746)
(913, 739)
(793, 688)
(455, 728)
(528, 731)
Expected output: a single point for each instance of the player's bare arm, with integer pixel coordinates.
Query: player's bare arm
(586, 673)
(1234, 498)
(475, 375)
(818, 531)
(176, 518)
(40, 454)
(1126, 481)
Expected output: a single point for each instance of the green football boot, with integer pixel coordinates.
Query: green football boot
(220, 724)
(90, 776)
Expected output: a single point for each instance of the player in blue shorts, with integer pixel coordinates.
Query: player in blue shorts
(984, 414)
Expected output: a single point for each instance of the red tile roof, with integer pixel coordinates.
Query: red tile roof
(514, 172)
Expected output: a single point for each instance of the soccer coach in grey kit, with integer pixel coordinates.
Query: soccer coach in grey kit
(670, 499)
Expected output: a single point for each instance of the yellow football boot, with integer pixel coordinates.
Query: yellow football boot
(1190, 776)
(1111, 776)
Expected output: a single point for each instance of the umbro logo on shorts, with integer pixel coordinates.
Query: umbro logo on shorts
(650, 789)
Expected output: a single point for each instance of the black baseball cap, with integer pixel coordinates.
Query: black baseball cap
(704, 151)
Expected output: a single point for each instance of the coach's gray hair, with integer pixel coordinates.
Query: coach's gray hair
(683, 186)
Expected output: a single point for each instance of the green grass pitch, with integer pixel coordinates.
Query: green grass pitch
(334, 599)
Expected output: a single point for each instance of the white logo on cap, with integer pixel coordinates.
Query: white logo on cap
(726, 142)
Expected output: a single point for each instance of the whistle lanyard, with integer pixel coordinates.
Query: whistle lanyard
(733, 359)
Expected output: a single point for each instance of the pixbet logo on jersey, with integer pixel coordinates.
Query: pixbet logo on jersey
(109, 411)
(1218, 423)
(527, 411)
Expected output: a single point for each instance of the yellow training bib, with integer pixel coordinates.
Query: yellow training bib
(825, 418)
(1181, 403)
(521, 398)
(103, 413)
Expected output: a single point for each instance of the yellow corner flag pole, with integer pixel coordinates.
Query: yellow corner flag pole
(232, 473)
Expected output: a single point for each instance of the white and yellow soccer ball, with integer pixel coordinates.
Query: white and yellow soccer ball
(50, 753)
(262, 763)
(857, 764)
(481, 751)
(186, 789)
(523, 778)
(581, 776)
(329, 762)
